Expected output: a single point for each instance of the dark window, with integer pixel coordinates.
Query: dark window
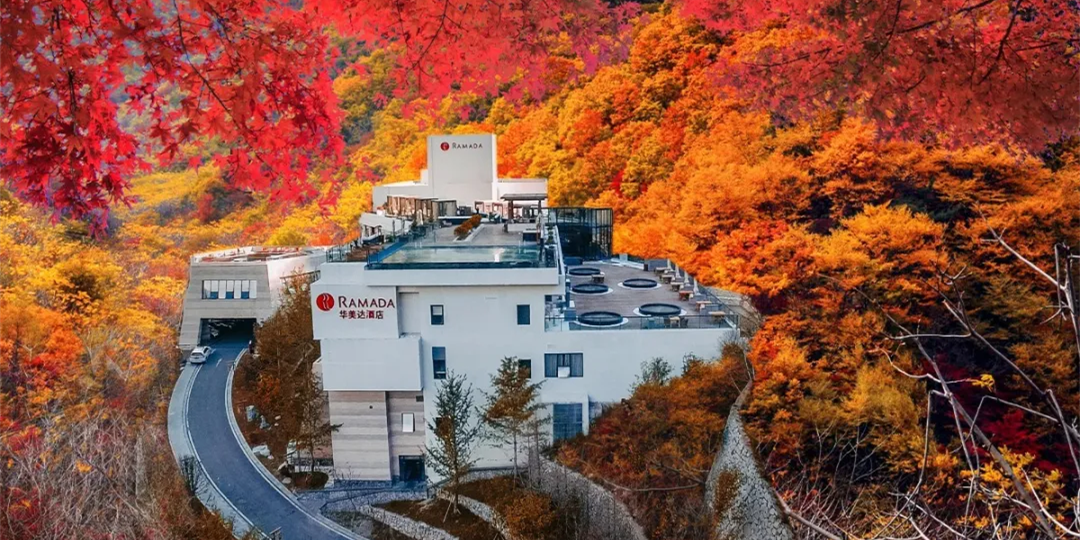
(420, 398)
(565, 421)
(437, 317)
(523, 314)
(526, 364)
(574, 361)
(442, 425)
(438, 361)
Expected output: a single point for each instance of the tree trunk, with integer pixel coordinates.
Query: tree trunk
(516, 455)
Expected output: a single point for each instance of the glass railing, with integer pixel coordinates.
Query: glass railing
(358, 251)
(413, 251)
(715, 320)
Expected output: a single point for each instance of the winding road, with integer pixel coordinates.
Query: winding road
(247, 491)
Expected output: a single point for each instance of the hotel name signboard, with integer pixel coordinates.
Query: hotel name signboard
(353, 311)
(353, 308)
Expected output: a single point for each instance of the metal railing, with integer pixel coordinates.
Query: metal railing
(728, 320)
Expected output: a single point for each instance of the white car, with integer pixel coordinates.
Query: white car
(199, 355)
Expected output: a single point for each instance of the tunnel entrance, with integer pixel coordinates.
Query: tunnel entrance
(217, 330)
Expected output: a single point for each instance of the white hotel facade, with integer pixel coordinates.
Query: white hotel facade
(393, 326)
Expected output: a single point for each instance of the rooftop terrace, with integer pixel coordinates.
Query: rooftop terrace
(619, 296)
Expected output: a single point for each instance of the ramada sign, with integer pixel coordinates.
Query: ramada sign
(459, 146)
(354, 308)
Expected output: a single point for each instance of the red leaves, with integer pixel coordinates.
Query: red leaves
(952, 70)
(253, 74)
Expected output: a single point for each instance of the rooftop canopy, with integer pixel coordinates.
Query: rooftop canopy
(510, 197)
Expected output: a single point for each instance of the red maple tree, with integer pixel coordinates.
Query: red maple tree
(253, 75)
(952, 71)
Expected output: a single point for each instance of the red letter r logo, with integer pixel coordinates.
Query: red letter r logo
(325, 301)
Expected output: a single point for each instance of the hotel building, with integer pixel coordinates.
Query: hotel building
(546, 291)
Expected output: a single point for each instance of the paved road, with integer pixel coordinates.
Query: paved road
(226, 462)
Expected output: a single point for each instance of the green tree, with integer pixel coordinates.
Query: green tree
(456, 434)
(511, 409)
(655, 372)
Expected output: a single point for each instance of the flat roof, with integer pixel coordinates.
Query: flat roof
(621, 300)
(690, 309)
(254, 254)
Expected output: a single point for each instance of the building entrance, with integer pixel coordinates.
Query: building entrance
(412, 468)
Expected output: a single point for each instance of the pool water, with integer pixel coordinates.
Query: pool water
(464, 254)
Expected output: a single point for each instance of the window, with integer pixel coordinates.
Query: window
(523, 314)
(442, 425)
(420, 398)
(437, 317)
(407, 422)
(565, 421)
(228, 289)
(526, 364)
(574, 361)
(253, 288)
(438, 362)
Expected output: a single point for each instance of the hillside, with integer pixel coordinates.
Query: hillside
(915, 374)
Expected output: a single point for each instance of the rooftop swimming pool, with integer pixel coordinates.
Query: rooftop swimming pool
(418, 256)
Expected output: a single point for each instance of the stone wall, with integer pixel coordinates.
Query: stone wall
(408, 527)
(741, 499)
(607, 517)
(352, 502)
(481, 511)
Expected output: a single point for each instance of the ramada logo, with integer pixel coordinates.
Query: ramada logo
(325, 301)
(458, 146)
(346, 302)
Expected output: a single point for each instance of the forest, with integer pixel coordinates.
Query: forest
(895, 186)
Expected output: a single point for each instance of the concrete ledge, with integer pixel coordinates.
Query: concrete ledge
(183, 449)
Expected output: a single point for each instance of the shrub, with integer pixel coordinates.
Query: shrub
(529, 516)
(464, 229)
